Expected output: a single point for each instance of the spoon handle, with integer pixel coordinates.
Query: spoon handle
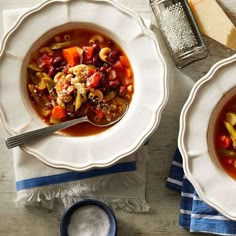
(28, 136)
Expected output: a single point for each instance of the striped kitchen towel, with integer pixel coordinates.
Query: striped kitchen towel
(121, 186)
(196, 215)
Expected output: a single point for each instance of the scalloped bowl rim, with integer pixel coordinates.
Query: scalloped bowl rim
(182, 130)
(148, 33)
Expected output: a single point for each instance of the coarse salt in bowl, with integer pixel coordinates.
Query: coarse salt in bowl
(88, 218)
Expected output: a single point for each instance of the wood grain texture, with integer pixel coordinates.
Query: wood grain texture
(163, 217)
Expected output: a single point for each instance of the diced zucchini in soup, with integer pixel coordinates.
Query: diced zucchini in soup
(44, 112)
(231, 118)
(53, 120)
(78, 101)
(35, 95)
(34, 68)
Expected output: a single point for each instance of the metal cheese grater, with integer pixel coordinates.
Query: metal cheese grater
(180, 31)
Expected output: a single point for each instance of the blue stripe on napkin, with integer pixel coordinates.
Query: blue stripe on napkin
(175, 179)
(196, 215)
(72, 176)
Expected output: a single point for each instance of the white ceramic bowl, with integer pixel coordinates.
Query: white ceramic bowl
(197, 122)
(142, 49)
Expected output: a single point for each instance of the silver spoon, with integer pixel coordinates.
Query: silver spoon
(20, 139)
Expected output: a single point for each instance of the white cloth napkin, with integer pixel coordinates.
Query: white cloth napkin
(120, 186)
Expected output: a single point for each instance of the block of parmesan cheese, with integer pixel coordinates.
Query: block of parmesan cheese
(213, 22)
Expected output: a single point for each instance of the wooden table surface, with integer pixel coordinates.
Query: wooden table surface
(163, 218)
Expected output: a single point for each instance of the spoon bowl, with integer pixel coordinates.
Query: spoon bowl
(20, 139)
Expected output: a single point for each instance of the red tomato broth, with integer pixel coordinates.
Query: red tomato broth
(227, 162)
(117, 84)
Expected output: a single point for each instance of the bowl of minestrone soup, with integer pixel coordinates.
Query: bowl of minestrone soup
(69, 59)
(78, 72)
(207, 137)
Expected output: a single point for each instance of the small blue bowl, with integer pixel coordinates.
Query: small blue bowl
(65, 220)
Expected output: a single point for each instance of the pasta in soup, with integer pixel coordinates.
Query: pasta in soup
(77, 72)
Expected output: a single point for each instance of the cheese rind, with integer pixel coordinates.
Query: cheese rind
(213, 22)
